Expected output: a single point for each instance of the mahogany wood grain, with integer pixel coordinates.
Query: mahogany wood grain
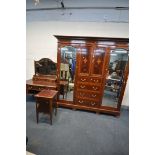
(46, 101)
(92, 60)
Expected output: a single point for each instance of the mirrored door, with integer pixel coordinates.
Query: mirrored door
(115, 77)
(67, 72)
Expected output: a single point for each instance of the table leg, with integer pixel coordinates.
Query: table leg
(51, 111)
(37, 115)
(55, 106)
(51, 117)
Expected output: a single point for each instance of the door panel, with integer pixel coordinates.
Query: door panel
(85, 57)
(98, 61)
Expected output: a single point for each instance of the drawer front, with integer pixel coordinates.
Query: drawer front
(93, 104)
(90, 95)
(83, 79)
(85, 102)
(95, 80)
(82, 102)
(88, 87)
(38, 88)
(83, 86)
(94, 88)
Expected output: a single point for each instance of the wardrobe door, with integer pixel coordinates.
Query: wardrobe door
(116, 77)
(67, 72)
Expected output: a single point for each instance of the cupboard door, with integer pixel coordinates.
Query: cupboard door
(98, 60)
(85, 56)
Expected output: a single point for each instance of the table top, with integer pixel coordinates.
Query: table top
(41, 83)
(47, 94)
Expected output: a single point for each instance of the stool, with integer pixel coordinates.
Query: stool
(46, 102)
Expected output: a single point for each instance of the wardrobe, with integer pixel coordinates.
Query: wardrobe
(96, 71)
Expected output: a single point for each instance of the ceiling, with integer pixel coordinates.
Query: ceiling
(78, 10)
(36, 4)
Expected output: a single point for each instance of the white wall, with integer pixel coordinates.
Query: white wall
(41, 43)
(126, 95)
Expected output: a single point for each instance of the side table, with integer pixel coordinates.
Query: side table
(46, 102)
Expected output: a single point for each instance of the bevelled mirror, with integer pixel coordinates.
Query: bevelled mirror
(114, 78)
(67, 72)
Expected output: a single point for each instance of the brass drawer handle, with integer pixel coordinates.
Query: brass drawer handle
(82, 94)
(82, 87)
(95, 88)
(95, 80)
(93, 95)
(83, 79)
(93, 103)
(80, 101)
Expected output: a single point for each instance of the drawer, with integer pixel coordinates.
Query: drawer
(81, 101)
(88, 103)
(93, 104)
(95, 80)
(95, 88)
(92, 95)
(83, 86)
(38, 88)
(88, 87)
(83, 79)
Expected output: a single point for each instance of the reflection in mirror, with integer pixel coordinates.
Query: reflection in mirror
(115, 76)
(67, 72)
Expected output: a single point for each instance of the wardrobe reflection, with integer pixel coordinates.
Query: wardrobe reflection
(67, 72)
(115, 77)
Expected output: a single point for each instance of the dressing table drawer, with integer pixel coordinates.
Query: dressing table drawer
(37, 88)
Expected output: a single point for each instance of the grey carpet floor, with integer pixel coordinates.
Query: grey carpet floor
(77, 133)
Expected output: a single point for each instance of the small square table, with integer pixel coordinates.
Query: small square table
(46, 102)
